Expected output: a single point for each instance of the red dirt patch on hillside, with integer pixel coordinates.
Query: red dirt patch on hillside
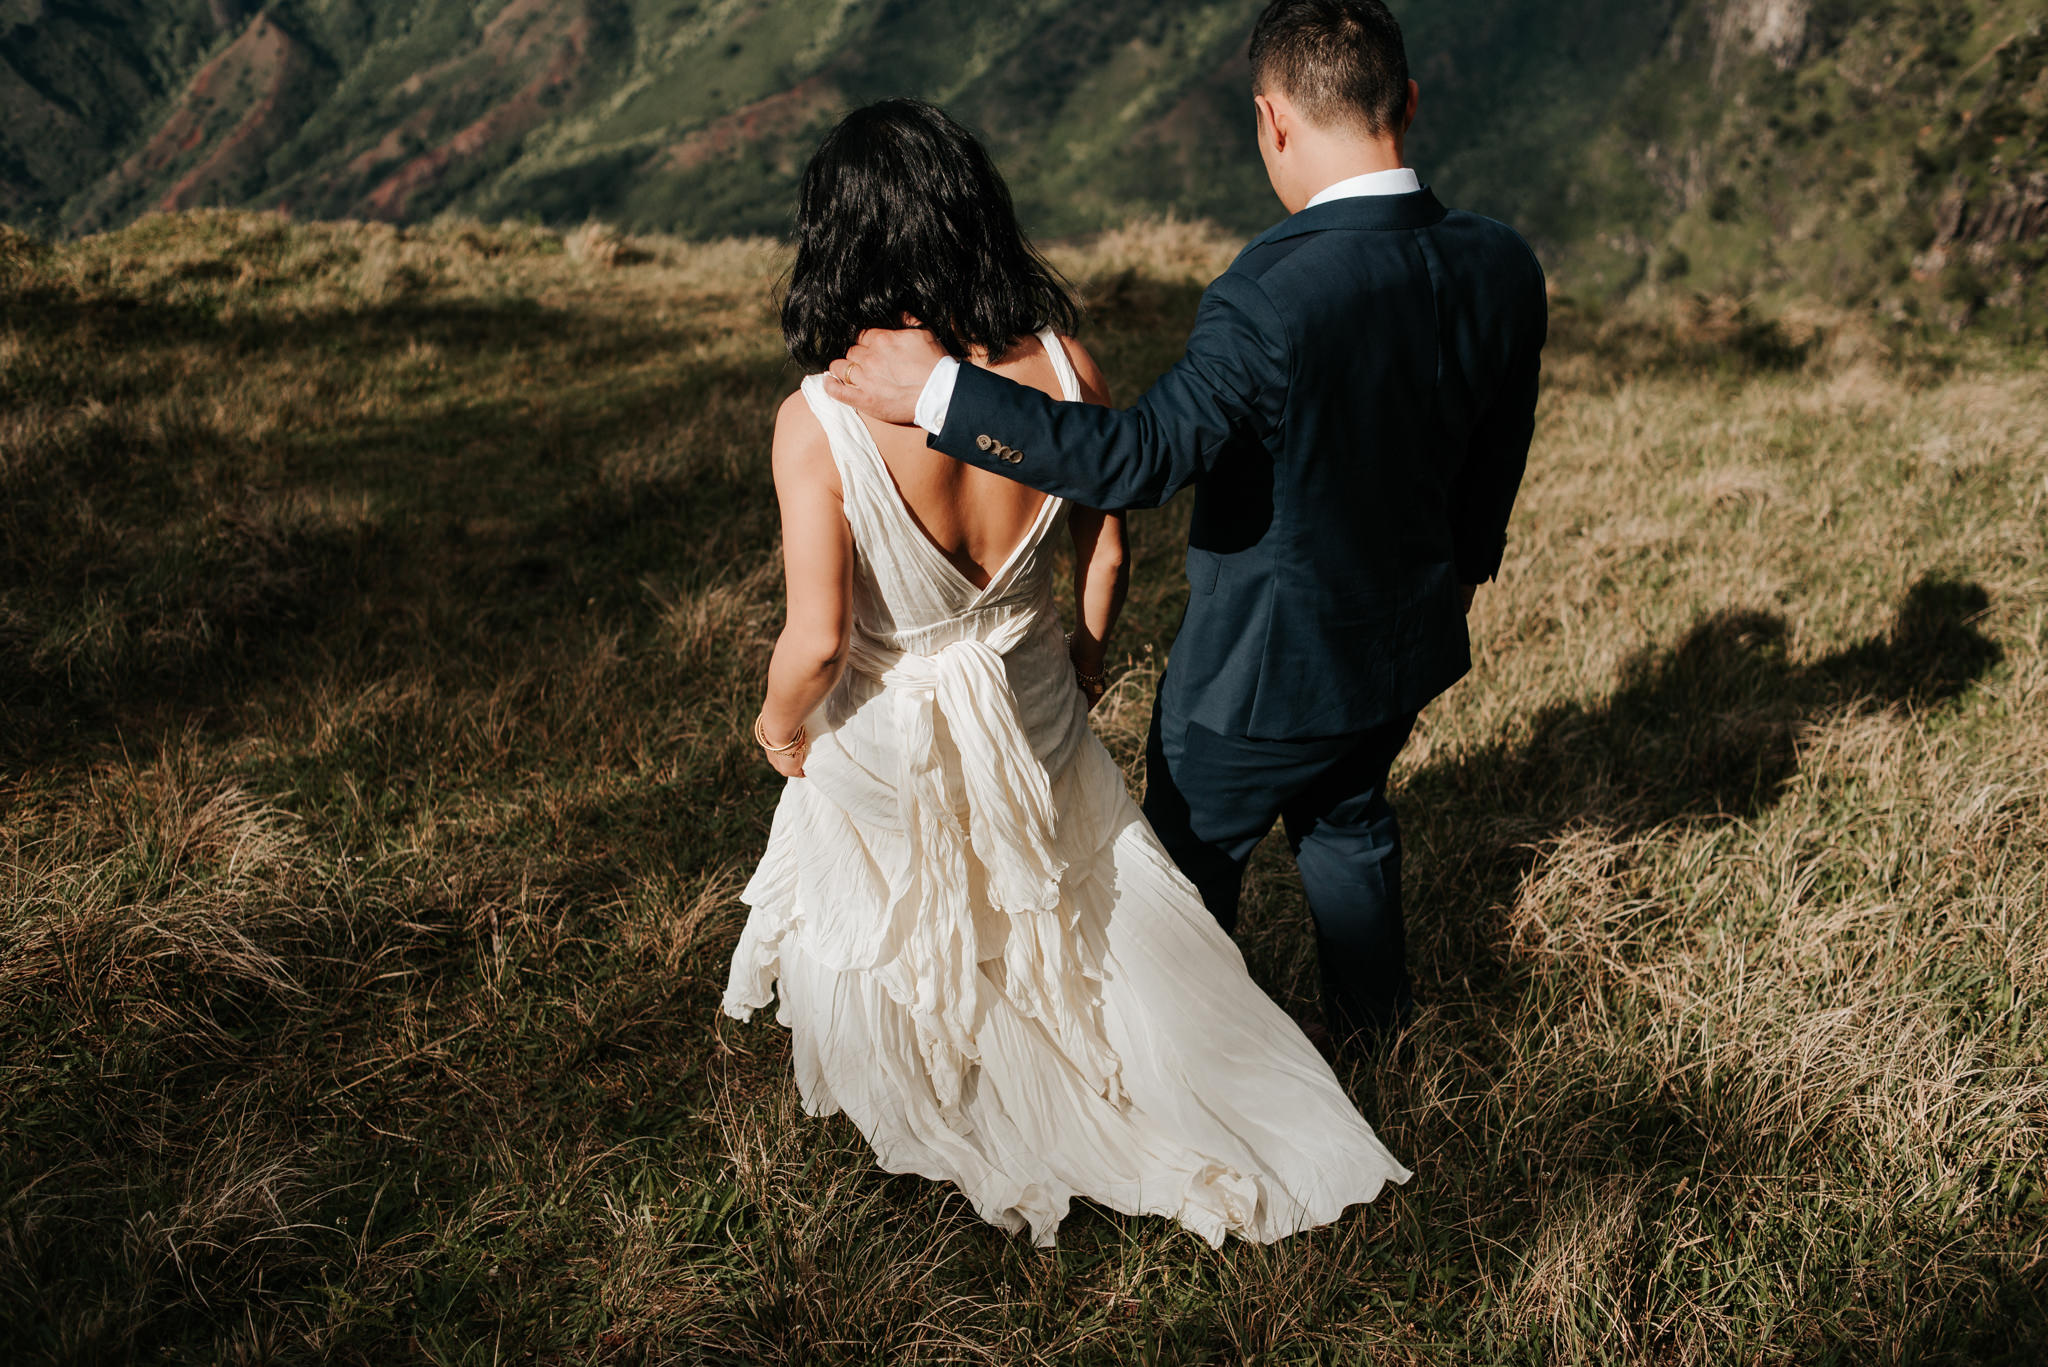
(265, 49)
(777, 116)
(251, 75)
(392, 145)
(519, 33)
(517, 37)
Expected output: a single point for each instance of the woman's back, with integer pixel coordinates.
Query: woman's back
(975, 518)
(941, 555)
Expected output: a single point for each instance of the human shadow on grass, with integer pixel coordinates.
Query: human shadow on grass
(1706, 730)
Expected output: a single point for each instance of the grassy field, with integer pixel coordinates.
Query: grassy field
(380, 617)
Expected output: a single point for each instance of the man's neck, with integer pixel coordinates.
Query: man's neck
(1347, 162)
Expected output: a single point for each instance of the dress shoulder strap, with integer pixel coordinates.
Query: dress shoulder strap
(864, 481)
(836, 418)
(853, 449)
(1062, 365)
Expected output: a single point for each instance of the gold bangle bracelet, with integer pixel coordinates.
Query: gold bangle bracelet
(794, 743)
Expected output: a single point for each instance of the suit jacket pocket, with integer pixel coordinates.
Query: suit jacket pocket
(1202, 567)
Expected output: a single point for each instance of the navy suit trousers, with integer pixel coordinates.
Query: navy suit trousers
(1212, 797)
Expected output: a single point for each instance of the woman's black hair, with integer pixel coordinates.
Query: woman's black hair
(903, 212)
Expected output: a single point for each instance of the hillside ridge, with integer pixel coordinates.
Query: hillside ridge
(1883, 151)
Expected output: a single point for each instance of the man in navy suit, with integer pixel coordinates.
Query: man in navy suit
(1354, 411)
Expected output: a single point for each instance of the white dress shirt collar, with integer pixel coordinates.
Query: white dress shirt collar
(1402, 180)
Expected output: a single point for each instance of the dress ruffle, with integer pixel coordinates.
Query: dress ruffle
(1224, 1118)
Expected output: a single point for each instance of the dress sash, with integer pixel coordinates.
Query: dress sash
(1009, 832)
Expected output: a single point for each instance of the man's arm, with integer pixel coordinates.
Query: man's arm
(1495, 459)
(1234, 372)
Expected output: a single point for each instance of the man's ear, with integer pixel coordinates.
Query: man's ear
(1274, 121)
(1414, 100)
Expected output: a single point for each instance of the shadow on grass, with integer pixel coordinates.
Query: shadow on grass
(2010, 1331)
(124, 334)
(1708, 729)
(157, 562)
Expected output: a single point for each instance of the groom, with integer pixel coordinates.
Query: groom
(1354, 411)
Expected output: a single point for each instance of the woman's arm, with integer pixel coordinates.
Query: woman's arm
(1102, 574)
(1101, 577)
(817, 566)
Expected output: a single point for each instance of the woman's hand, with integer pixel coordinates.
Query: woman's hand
(1092, 687)
(1091, 675)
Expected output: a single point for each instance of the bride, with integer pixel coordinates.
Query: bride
(982, 953)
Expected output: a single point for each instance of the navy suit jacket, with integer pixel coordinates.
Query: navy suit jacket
(1354, 410)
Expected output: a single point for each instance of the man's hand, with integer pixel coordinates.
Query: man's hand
(885, 372)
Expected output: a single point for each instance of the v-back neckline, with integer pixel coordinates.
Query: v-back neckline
(1032, 533)
(1046, 502)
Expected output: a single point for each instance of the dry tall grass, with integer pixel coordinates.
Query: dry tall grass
(380, 612)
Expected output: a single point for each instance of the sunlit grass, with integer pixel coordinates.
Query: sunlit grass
(380, 616)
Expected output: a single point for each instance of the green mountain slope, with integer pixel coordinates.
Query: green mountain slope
(78, 81)
(1882, 151)
(1887, 153)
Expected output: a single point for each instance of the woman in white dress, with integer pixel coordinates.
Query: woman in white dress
(982, 953)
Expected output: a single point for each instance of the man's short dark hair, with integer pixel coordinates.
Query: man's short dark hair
(1342, 62)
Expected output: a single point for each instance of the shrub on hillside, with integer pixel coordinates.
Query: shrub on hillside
(18, 251)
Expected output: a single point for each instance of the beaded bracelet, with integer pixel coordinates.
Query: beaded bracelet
(1091, 683)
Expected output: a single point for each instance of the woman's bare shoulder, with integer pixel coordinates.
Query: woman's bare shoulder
(1094, 385)
(802, 452)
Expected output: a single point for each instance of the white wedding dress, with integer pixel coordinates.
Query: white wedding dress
(983, 954)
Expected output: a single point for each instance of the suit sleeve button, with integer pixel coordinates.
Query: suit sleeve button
(985, 442)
